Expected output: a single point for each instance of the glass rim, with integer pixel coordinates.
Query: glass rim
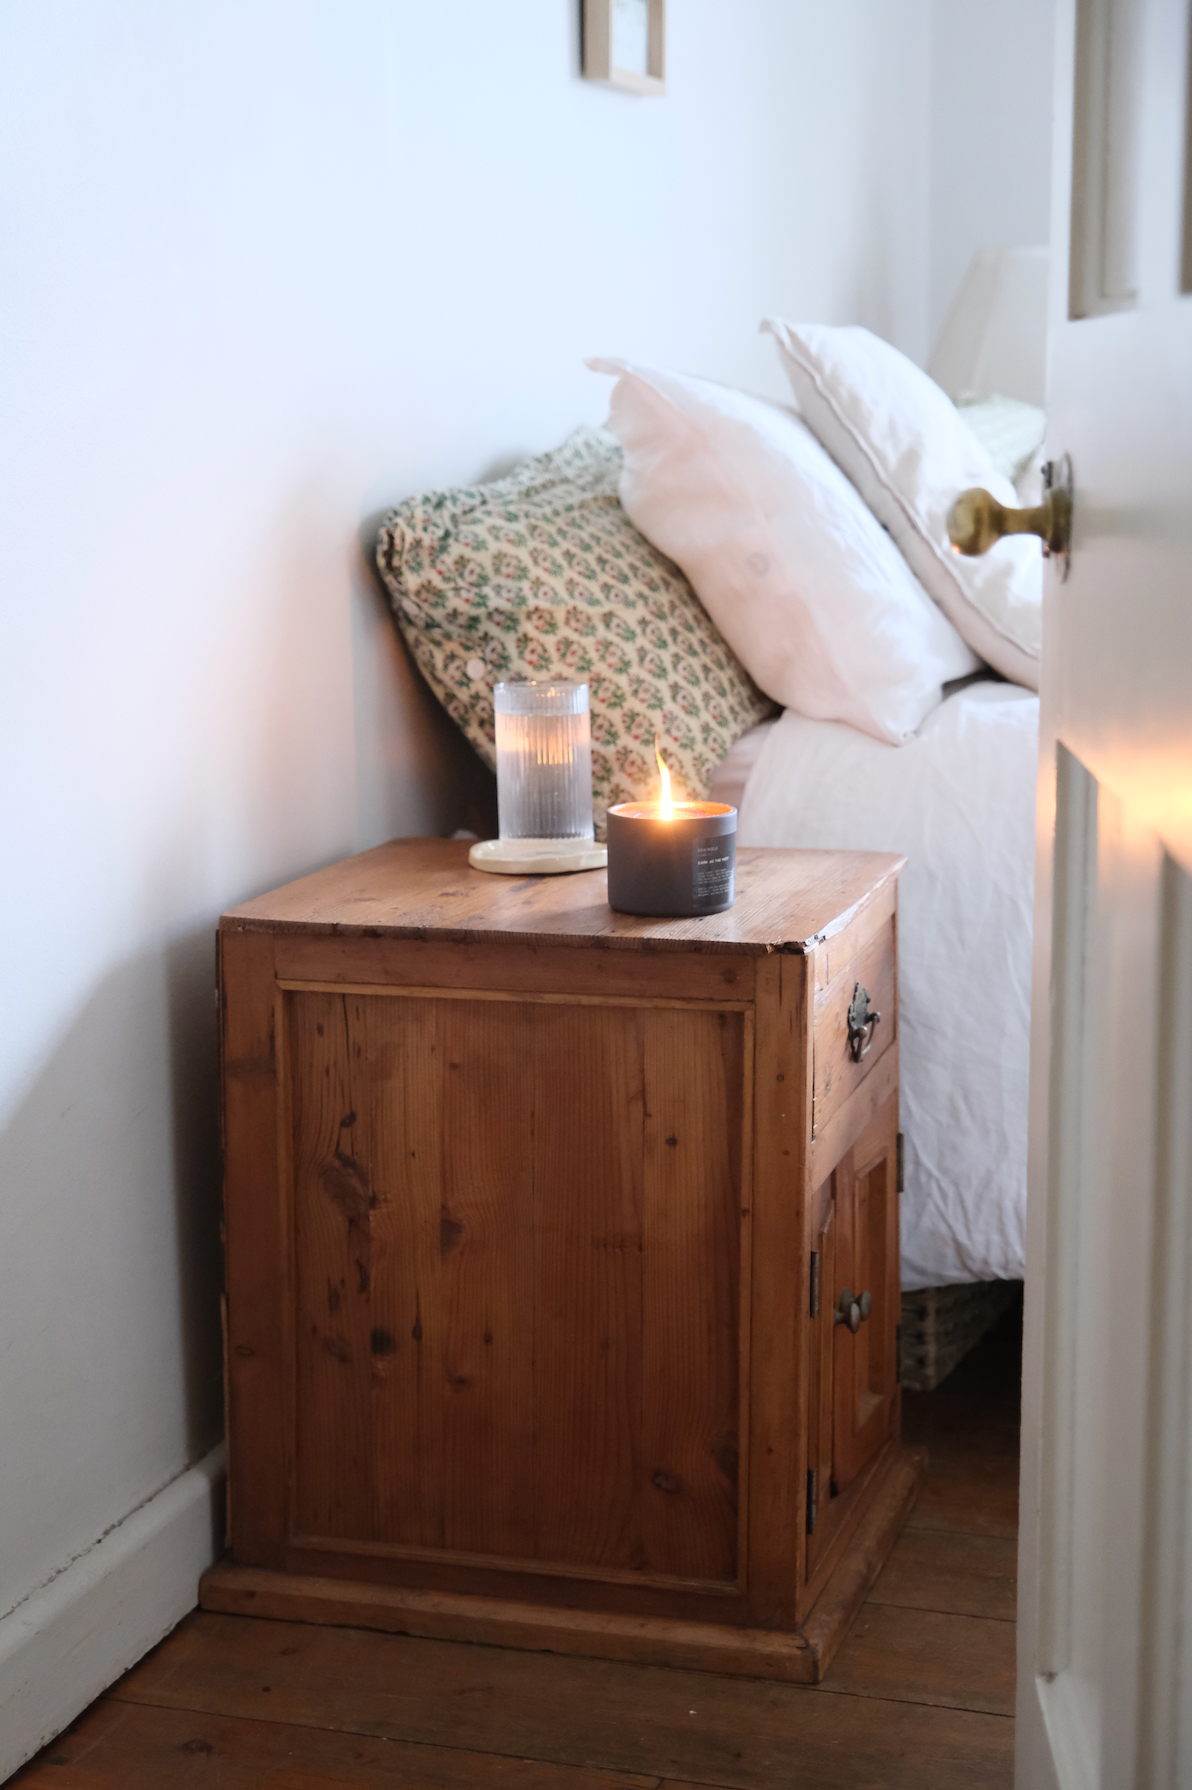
(541, 697)
(541, 683)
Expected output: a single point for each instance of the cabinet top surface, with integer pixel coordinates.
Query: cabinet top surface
(425, 888)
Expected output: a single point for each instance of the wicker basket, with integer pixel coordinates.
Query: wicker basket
(941, 1324)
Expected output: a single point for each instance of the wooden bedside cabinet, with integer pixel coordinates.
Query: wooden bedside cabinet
(562, 1258)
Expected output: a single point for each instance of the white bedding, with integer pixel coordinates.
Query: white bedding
(959, 800)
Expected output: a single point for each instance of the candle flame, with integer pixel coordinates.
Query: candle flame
(666, 808)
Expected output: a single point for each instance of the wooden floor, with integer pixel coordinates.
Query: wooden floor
(921, 1693)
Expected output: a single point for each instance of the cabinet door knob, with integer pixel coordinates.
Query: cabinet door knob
(852, 1310)
(847, 1312)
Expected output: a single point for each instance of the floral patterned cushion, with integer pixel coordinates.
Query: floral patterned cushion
(542, 575)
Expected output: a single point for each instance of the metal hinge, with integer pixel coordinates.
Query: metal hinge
(812, 1498)
(898, 1172)
(898, 1354)
(815, 1283)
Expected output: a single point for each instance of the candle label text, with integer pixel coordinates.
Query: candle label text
(712, 871)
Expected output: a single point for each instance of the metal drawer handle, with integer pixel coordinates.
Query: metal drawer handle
(851, 1311)
(862, 1018)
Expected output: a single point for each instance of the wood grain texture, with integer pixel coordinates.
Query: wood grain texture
(588, 1247)
(425, 889)
(837, 1076)
(506, 1347)
(695, 1129)
(820, 1391)
(838, 948)
(969, 1427)
(865, 1363)
(476, 1098)
(690, 1727)
(969, 1494)
(702, 1645)
(777, 1347)
(928, 1656)
(450, 1716)
(636, 1288)
(131, 1746)
(539, 1260)
(869, 1519)
(256, 1242)
(847, 1122)
(526, 967)
(963, 1574)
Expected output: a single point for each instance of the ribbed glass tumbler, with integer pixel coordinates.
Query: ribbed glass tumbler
(544, 761)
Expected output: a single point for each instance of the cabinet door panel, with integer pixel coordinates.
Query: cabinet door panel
(516, 1234)
(821, 1403)
(408, 1221)
(866, 1262)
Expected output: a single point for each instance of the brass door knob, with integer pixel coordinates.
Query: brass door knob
(852, 1310)
(976, 520)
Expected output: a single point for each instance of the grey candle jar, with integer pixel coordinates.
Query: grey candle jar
(670, 869)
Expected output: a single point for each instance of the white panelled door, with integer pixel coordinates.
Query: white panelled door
(1105, 1599)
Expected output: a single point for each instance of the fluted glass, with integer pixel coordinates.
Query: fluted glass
(544, 761)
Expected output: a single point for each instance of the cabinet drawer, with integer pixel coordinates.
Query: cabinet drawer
(836, 1074)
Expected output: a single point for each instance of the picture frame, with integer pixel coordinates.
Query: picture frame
(625, 45)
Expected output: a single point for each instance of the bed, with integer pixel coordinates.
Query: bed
(959, 802)
(773, 600)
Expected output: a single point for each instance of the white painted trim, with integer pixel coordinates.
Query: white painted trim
(1070, 1712)
(67, 1642)
(1034, 1762)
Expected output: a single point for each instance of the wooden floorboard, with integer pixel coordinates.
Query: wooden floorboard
(579, 1717)
(927, 1656)
(963, 1574)
(918, 1697)
(579, 1712)
(129, 1746)
(968, 1494)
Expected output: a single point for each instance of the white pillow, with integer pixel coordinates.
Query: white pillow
(909, 452)
(808, 590)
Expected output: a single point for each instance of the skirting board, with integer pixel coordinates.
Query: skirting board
(70, 1640)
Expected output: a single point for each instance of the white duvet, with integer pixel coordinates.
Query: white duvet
(959, 801)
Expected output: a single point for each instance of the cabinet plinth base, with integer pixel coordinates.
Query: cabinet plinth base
(798, 1657)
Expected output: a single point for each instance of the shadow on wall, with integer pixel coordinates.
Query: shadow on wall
(416, 773)
(194, 1102)
(112, 1161)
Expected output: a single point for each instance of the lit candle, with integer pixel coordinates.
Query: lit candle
(669, 858)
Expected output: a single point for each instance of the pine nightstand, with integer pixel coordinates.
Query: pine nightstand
(562, 1258)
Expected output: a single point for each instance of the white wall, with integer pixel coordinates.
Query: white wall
(990, 156)
(267, 265)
